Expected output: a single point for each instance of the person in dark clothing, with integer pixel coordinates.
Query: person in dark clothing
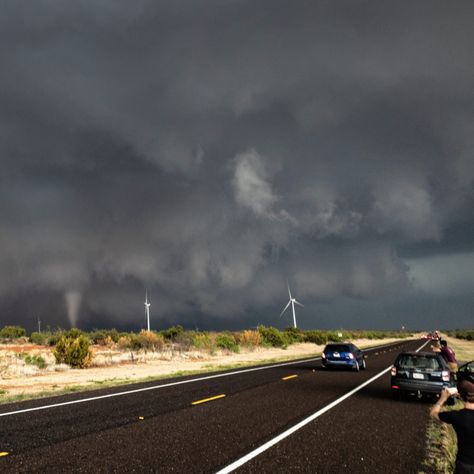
(449, 355)
(463, 424)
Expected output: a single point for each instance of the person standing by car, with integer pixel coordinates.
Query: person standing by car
(435, 337)
(463, 424)
(449, 355)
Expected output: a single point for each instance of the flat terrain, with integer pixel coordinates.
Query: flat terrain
(111, 366)
(156, 428)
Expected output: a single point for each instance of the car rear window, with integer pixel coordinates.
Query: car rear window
(337, 348)
(408, 361)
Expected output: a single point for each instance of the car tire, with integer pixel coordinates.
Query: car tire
(364, 365)
(396, 395)
(356, 366)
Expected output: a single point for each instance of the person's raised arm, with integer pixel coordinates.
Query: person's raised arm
(434, 412)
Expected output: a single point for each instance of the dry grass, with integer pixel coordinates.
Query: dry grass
(464, 349)
(441, 448)
(249, 338)
(441, 441)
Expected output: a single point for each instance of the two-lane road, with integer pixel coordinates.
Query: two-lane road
(157, 428)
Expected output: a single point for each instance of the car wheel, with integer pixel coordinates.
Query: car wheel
(396, 395)
(356, 366)
(364, 365)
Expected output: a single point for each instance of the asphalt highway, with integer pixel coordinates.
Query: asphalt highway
(204, 424)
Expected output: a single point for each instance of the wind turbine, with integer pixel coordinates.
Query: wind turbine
(147, 310)
(292, 301)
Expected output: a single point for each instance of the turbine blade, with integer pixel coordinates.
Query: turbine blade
(285, 308)
(288, 285)
(298, 303)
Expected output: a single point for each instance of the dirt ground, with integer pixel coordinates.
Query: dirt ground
(111, 366)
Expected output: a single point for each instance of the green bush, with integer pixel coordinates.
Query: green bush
(203, 340)
(39, 338)
(468, 335)
(333, 336)
(73, 349)
(46, 338)
(12, 332)
(53, 338)
(172, 333)
(185, 340)
(114, 335)
(293, 335)
(99, 336)
(227, 341)
(36, 360)
(134, 342)
(146, 340)
(104, 337)
(316, 337)
(150, 340)
(73, 333)
(272, 337)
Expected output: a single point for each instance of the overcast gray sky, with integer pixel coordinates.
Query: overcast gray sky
(210, 150)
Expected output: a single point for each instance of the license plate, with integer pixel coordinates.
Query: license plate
(336, 354)
(418, 376)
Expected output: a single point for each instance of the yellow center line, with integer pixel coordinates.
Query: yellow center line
(4, 453)
(197, 402)
(289, 377)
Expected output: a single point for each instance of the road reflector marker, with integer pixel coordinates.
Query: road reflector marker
(210, 399)
(289, 377)
(4, 453)
(141, 417)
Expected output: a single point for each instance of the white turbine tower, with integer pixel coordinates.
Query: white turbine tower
(292, 301)
(147, 310)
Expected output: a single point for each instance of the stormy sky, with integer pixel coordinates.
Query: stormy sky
(209, 151)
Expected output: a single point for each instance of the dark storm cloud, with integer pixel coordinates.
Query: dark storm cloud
(210, 150)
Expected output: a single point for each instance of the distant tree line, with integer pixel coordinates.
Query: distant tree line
(72, 346)
(261, 336)
(467, 334)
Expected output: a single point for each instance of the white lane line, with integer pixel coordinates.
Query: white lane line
(298, 426)
(156, 387)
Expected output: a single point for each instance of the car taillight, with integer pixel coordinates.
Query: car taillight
(394, 371)
(445, 376)
(323, 355)
(351, 355)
